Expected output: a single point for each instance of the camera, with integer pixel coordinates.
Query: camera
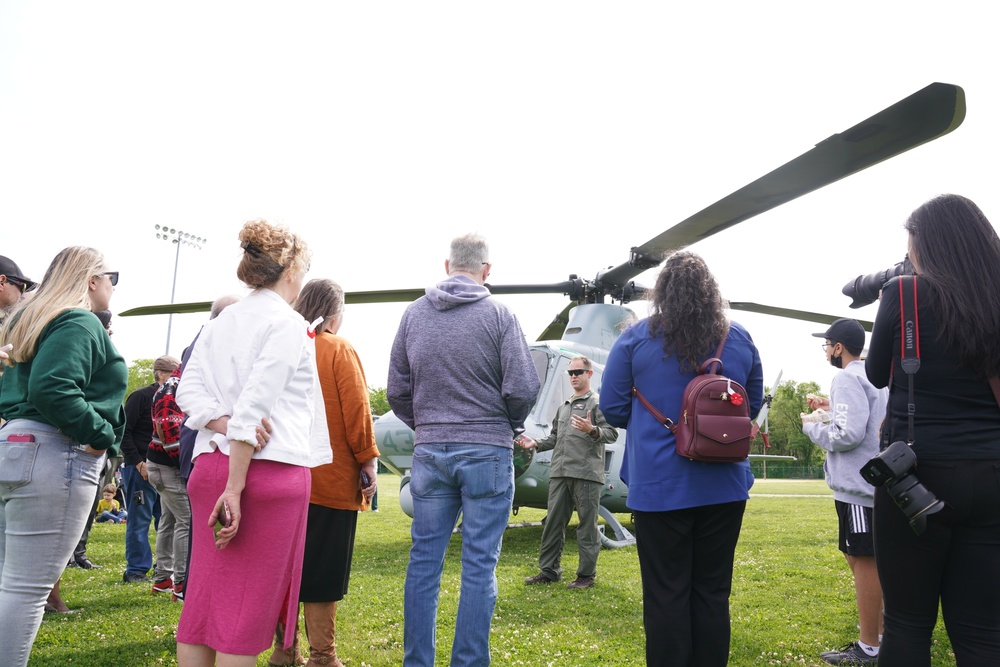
(864, 290)
(893, 468)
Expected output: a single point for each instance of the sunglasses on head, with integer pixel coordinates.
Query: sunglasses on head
(114, 277)
(573, 372)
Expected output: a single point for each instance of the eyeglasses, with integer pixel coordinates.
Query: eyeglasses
(573, 372)
(23, 286)
(114, 277)
(827, 346)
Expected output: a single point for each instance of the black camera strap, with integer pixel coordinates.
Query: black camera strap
(909, 352)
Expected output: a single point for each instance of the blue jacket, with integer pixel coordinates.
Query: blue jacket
(657, 478)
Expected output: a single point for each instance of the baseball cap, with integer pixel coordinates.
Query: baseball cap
(846, 331)
(10, 269)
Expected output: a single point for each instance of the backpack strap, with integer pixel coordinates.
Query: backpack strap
(657, 415)
(711, 361)
(716, 358)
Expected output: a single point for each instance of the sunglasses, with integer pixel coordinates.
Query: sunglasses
(114, 277)
(23, 286)
(573, 372)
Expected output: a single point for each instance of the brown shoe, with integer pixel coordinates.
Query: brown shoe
(321, 630)
(282, 657)
(538, 579)
(582, 582)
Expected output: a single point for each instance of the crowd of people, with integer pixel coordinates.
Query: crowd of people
(255, 451)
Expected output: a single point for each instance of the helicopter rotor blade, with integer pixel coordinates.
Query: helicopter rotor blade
(820, 318)
(923, 116)
(373, 296)
(557, 327)
(168, 309)
(566, 287)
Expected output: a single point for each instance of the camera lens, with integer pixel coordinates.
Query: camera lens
(915, 499)
(864, 290)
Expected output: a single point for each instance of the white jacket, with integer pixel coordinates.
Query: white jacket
(256, 360)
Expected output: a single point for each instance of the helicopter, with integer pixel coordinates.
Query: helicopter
(589, 326)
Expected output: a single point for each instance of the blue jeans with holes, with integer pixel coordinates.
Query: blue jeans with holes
(446, 479)
(46, 490)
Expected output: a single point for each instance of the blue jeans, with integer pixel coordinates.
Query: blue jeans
(46, 491)
(138, 554)
(478, 481)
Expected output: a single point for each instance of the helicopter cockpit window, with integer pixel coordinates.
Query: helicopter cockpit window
(541, 360)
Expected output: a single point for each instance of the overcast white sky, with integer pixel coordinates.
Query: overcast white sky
(566, 132)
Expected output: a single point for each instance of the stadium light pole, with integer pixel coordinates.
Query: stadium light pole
(178, 237)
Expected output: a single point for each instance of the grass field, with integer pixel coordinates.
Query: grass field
(792, 597)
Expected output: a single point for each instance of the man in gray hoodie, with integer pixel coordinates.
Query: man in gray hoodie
(847, 426)
(461, 377)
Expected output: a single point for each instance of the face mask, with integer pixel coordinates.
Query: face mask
(837, 362)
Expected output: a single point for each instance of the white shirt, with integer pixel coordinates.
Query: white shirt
(256, 360)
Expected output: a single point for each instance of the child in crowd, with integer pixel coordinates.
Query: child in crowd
(108, 509)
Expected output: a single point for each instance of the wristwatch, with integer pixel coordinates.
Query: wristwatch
(594, 432)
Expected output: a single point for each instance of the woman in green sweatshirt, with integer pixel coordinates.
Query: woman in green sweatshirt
(62, 402)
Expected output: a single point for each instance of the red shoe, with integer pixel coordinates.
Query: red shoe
(163, 586)
(178, 595)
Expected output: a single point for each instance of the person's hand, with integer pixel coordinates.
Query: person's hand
(219, 425)
(582, 423)
(94, 452)
(263, 434)
(817, 402)
(141, 467)
(369, 468)
(526, 442)
(814, 417)
(224, 535)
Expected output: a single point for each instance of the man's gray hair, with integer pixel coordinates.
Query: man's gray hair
(222, 303)
(468, 253)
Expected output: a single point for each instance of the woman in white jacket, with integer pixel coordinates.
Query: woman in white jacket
(252, 366)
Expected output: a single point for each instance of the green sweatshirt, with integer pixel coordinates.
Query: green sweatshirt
(76, 382)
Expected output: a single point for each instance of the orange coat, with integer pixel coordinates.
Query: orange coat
(349, 420)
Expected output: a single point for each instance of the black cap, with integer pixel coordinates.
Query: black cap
(10, 269)
(848, 332)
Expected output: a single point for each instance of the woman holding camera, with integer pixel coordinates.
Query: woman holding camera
(955, 254)
(688, 514)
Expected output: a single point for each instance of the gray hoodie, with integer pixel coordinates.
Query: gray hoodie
(460, 370)
(851, 436)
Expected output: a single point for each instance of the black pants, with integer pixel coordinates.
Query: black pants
(686, 560)
(955, 562)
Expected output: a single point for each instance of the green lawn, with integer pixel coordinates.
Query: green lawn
(792, 597)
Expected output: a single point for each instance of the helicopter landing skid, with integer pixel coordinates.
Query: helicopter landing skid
(623, 538)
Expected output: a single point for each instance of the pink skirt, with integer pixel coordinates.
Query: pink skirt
(234, 597)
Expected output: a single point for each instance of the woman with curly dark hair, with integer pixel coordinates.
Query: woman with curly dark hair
(687, 514)
(955, 253)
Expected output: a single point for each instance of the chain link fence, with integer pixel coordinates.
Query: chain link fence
(784, 470)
